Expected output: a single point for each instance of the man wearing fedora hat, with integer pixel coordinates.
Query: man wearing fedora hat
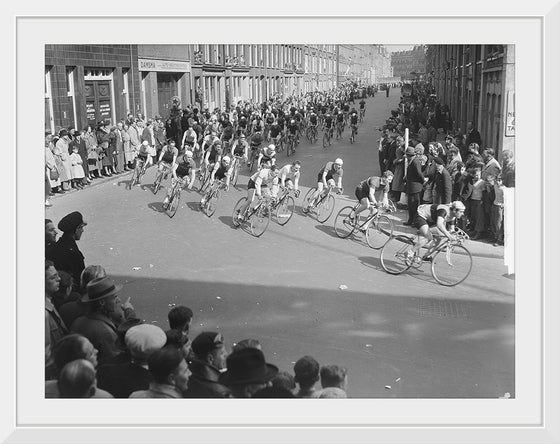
(247, 372)
(65, 253)
(104, 308)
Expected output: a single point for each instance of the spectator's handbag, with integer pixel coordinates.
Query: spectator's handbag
(53, 174)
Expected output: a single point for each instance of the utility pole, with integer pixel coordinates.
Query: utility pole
(337, 64)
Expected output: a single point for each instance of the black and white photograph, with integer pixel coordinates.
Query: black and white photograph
(249, 212)
(279, 221)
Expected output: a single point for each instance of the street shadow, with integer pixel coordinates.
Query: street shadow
(371, 262)
(328, 229)
(226, 220)
(156, 206)
(194, 206)
(124, 183)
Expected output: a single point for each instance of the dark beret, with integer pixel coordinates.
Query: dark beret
(71, 221)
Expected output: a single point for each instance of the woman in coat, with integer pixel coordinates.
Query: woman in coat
(103, 140)
(62, 158)
(128, 153)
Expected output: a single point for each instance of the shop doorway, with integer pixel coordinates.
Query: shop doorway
(98, 101)
(167, 88)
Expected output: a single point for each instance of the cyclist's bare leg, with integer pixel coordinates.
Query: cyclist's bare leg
(425, 239)
(245, 206)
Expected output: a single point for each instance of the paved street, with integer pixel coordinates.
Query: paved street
(399, 336)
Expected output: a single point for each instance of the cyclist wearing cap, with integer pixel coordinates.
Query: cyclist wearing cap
(209, 141)
(213, 155)
(145, 154)
(185, 167)
(265, 178)
(288, 176)
(220, 172)
(168, 155)
(268, 155)
(326, 178)
(293, 129)
(240, 148)
(354, 121)
(365, 192)
(328, 123)
(434, 216)
(274, 133)
(313, 118)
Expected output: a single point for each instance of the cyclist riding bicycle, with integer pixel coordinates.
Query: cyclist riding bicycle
(221, 171)
(189, 138)
(289, 176)
(265, 178)
(340, 121)
(183, 169)
(240, 148)
(354, 121)
(213, 155)
(313, 119)
(326, 178)
(328, 124)
(168, 156)
(145, 154)
(267, 155)
(209, 141)
(274, 133)
(365, 193)
(436, 217)
(293, 130)
(362, 105)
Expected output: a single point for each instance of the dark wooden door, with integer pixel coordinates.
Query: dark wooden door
(98, 101)
(167, 88)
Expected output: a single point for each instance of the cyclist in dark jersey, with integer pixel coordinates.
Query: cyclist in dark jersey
(185, 167)
(354, 121)
(213, 155)
(365, 192)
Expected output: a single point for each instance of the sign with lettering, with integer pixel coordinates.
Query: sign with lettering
(163, 65)
(105, 110)
(510, 114)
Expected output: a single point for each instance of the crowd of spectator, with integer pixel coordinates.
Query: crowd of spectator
(97, 346)
(440, 166)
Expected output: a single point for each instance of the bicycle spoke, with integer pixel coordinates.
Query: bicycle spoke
(451, 265)
(394, 258)
(343, 225)
(379, 231)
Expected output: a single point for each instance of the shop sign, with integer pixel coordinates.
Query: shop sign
(163, 65)
(510, 114)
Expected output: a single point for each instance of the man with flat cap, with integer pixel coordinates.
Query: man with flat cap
(65, 254)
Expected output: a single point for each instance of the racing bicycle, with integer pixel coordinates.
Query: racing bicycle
(177, 184)
(379, 227)
(160, 176)
(139, 171)
(211, 198)
(323, 206)
(451, 261)
(257, 217)
(327, 137)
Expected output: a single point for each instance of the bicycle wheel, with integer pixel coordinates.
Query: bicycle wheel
(325, 140)
(352, 137)
(211, 204)
(260, 220)
(234, 176)
(157, 183)
(307, 199)
(379, 232)
(325, 208)
(174, 204)
(451, 265)
(285, 210)
(343, 225)
(393, 254)
(236, 208)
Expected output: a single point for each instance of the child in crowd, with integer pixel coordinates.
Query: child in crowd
(78, 174)
(497, 212)
(475, 205)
